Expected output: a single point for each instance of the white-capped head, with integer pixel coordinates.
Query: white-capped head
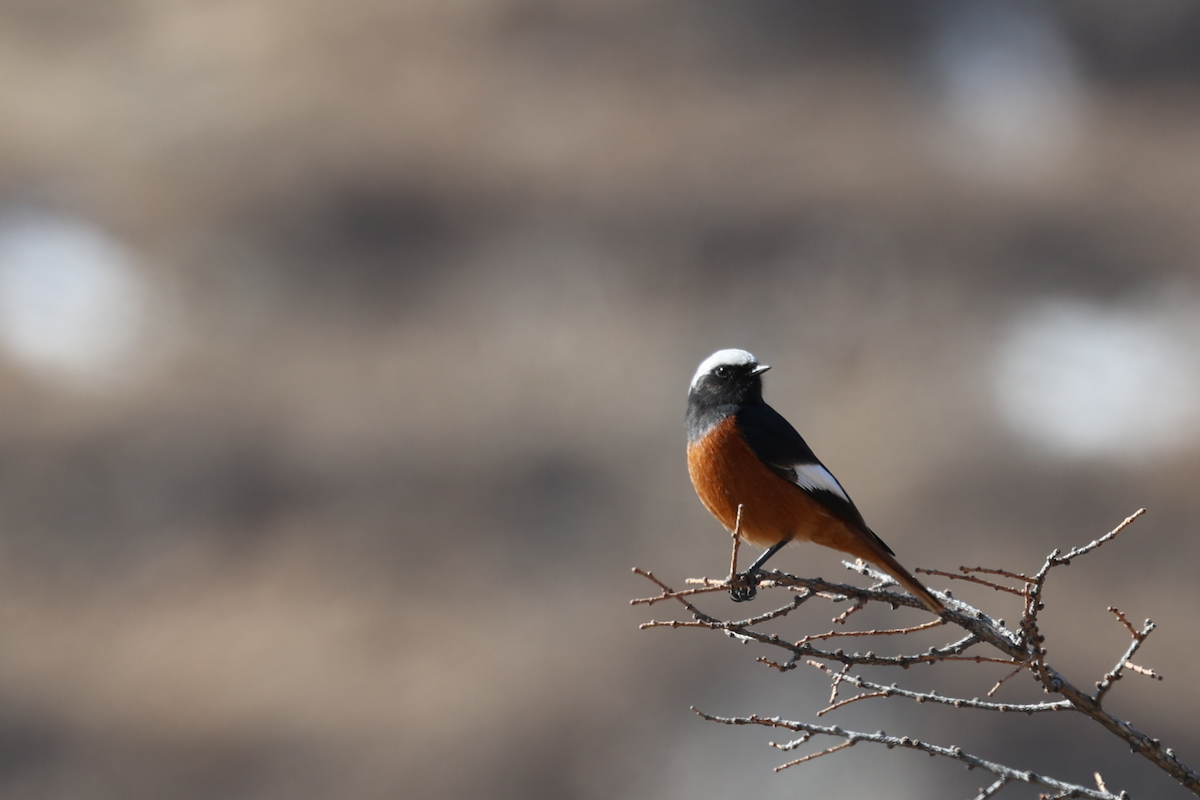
(734, 359)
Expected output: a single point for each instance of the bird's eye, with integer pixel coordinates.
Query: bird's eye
(723, 371)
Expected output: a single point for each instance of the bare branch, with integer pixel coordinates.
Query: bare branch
(1021, 649)
(841, 618)
(812, 756)
(836, 682)
(971, 578)
(1149, 673)
(1124, 662)
(1017, 576)
(883, 632)
(668, 593)
(737, 542)
(878, 689)
(1124, 621)
(792, 745)
(855, 699)
(1092, 545)
(955, 753)
(992, 790)
(1005, 679)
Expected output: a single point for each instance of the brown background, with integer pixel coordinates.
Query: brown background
(431, 279)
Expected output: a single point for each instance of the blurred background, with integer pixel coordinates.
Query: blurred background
(344, 349)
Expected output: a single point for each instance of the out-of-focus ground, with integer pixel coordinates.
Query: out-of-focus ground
(344, 351)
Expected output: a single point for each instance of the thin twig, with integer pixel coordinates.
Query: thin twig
(933, 697)
(1125, 661)
(1017, 576)
(841, 618)
(1149, 673)
(793, 744)
(737, 542)
(881, 632)
(1124, 621)
(955, 753)
(833, 687)
(971, 578)
(708, 622)
(993, 789)
(649, 601)
(1006, 678)
(1092, 545)
(848, 701)
(811, 756)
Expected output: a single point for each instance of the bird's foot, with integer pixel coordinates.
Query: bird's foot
(743, 586)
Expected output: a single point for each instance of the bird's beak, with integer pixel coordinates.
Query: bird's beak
(760, 369)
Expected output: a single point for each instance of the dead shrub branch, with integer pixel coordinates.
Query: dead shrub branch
(985, 640)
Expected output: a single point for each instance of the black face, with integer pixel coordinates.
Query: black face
(729, 384)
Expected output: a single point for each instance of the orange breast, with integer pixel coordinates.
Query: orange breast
(726, 472)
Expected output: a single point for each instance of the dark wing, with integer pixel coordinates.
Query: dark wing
(784, 451)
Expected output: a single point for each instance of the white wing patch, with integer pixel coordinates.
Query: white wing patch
(815, 476)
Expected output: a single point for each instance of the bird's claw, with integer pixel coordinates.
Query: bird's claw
(743, 587)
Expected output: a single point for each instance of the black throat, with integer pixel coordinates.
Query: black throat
(703, 416)
(718, 395)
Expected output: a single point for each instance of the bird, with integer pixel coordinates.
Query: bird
(741, 452)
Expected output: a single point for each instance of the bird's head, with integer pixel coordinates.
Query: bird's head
(728, 377)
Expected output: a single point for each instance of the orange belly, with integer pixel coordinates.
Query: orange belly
(726, 473)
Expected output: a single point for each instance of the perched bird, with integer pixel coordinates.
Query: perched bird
(742, 452)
